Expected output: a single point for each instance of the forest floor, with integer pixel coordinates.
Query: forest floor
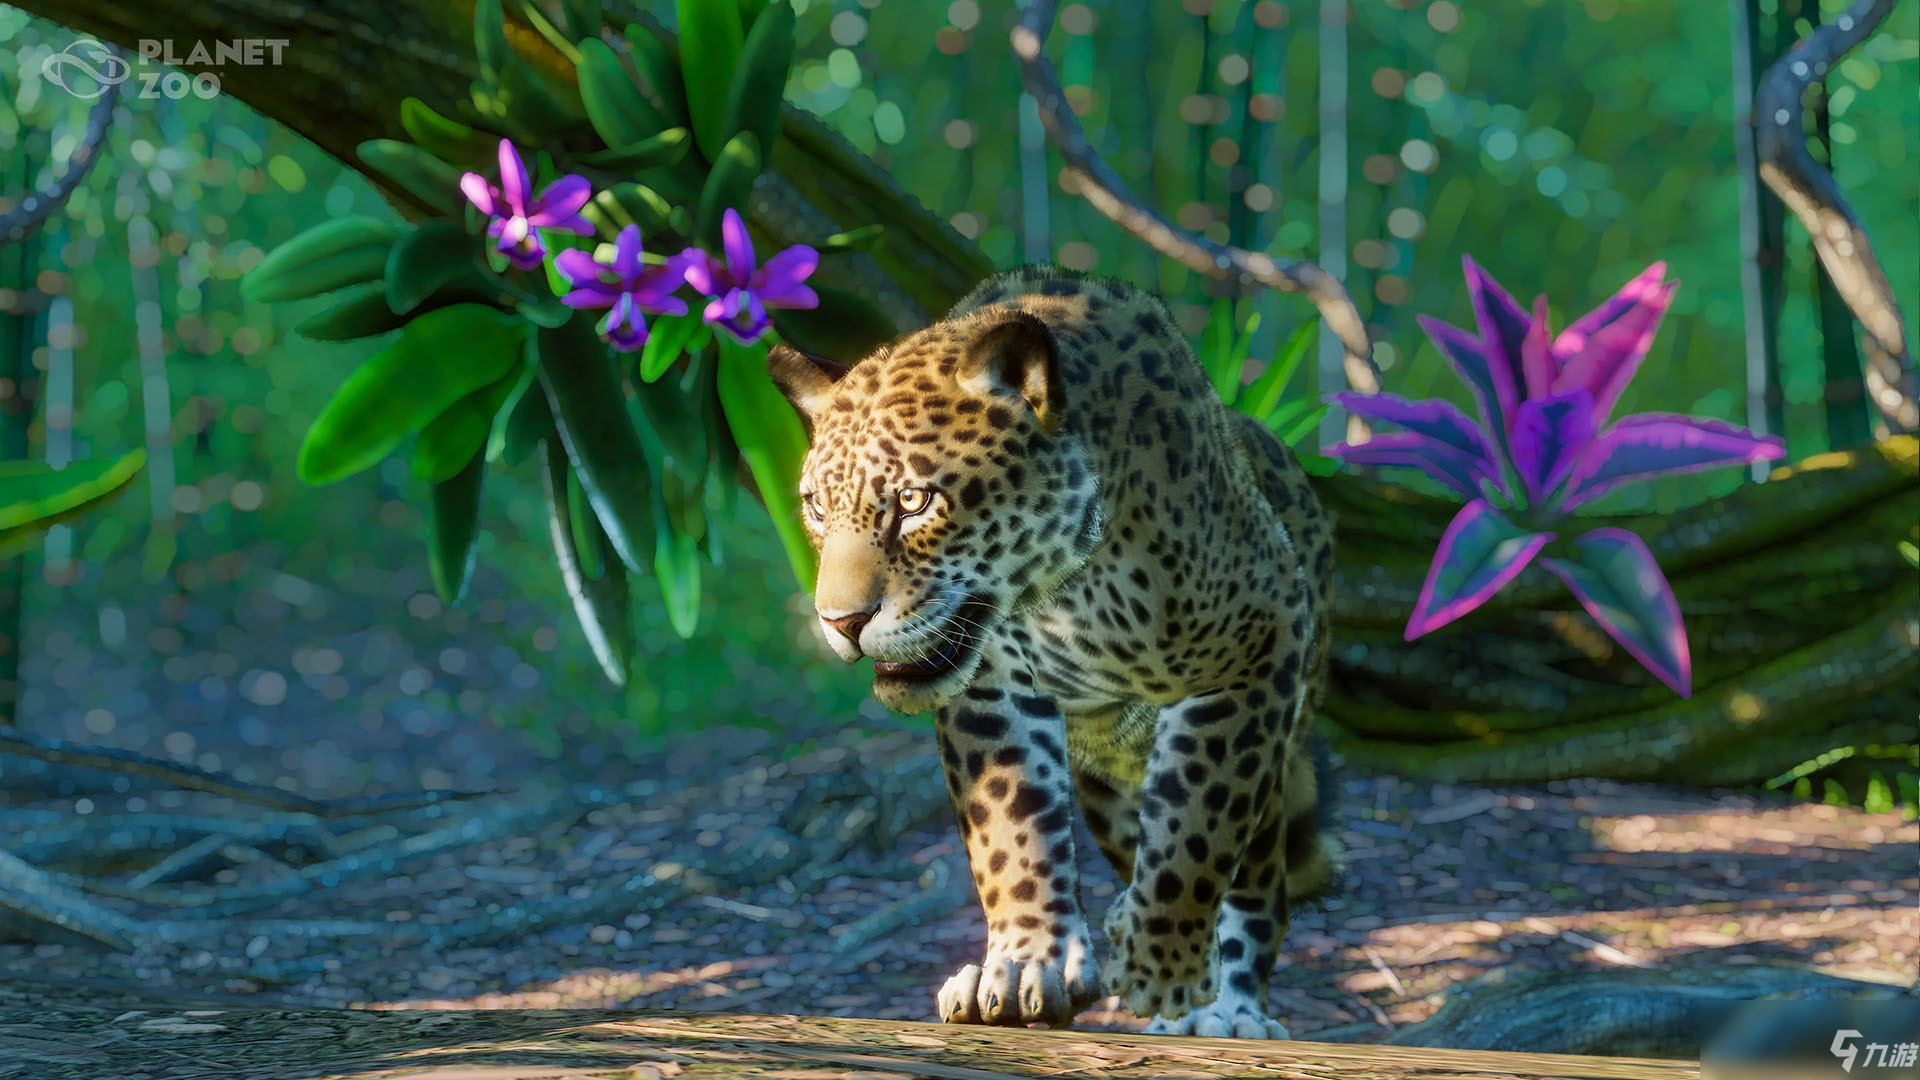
(717, 876)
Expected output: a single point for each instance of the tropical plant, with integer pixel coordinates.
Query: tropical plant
(538, 277)
(1223, 352)
(35, 496)
(1540, 451)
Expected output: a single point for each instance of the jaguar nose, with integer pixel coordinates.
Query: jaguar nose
(850, 625)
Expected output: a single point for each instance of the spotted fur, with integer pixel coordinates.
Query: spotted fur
(1039, 519)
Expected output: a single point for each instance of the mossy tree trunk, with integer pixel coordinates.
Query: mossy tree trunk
(1802, 612)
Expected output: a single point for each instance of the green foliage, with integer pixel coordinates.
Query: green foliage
(439, 359)
(329, 256)
(34, 497)
(710, 42)
(1223, 353)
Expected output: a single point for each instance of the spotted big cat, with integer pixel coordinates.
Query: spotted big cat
(1040, 522)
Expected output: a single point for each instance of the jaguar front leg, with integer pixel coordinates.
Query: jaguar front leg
(1209, 782)
(1005, 757)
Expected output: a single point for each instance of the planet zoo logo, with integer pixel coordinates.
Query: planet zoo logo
(88, 68)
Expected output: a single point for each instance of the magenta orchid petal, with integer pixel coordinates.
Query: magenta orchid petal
(716, 310)
(514, 185)
(560, 200)
(1503, 325)
(794, 297)
(626, 253)
(1549, 435)
(1479, 553)
(703, 271)
(737, 246)
(1606, 360)
(1634, 292)
(1538, 365)
(1657, 444)
(579, 268)
(1456, 469)
(478, 192)
(1615, 577)
(784, 272)
(589, 297)
(625, 328)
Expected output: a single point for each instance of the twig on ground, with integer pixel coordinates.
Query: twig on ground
(128, 763)
(941, 890)
(1599, 949)
(1839, 237)
(1393, 981)
(47, 911)
(1100, 185)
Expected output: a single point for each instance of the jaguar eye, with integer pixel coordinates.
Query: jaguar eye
(813, 507)
(914, 500)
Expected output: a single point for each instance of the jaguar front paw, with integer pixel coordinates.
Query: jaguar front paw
(1019, 988)
(1161, 964)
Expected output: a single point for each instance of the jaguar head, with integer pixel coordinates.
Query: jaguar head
(943, 494)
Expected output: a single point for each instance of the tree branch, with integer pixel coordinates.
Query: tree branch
(128, 763)
(1108, 193)
(1809, 190)
(33, 210)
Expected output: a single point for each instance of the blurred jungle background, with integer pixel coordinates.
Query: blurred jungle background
(222, 613)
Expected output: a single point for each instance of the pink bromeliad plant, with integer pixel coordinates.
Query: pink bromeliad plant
(1542, 448)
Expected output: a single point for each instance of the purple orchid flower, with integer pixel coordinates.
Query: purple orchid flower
(517, 213)
(628, 286)
(1541, 448)
(740, 290)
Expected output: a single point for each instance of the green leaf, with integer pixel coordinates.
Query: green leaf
(583, 18)
(365, 315)
(759, 82)
(453, 524)
(846, 326)
(660, 71)
(728, 185)
(434, 183)
(34, 496)
(1216, 351)
(448, 140)
(589, 407)
(452, 438)
(586, 530)
(710, 42)
(554, 35)
(664, 150)
(437, 254)
(331, 255)
(529, 421)
(490, 38)
(676, 565)
(860, 239)
(667, 340)
(498, 429)
(440, 358)
(615, 107)
(621, 205)
(600, 604)
(1260, 399)
(771, 441)
(1300, 422)
(679, 435)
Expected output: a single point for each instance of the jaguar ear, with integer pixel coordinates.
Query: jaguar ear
(1016, 356)
(807, 380)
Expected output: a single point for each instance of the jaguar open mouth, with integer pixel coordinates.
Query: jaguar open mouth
(959, 637)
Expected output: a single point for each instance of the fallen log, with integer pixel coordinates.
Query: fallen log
(166, 1042)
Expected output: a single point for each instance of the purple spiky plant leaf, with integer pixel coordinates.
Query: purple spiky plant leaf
(1479, 553)
(1646, 445)
(1614, 576)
